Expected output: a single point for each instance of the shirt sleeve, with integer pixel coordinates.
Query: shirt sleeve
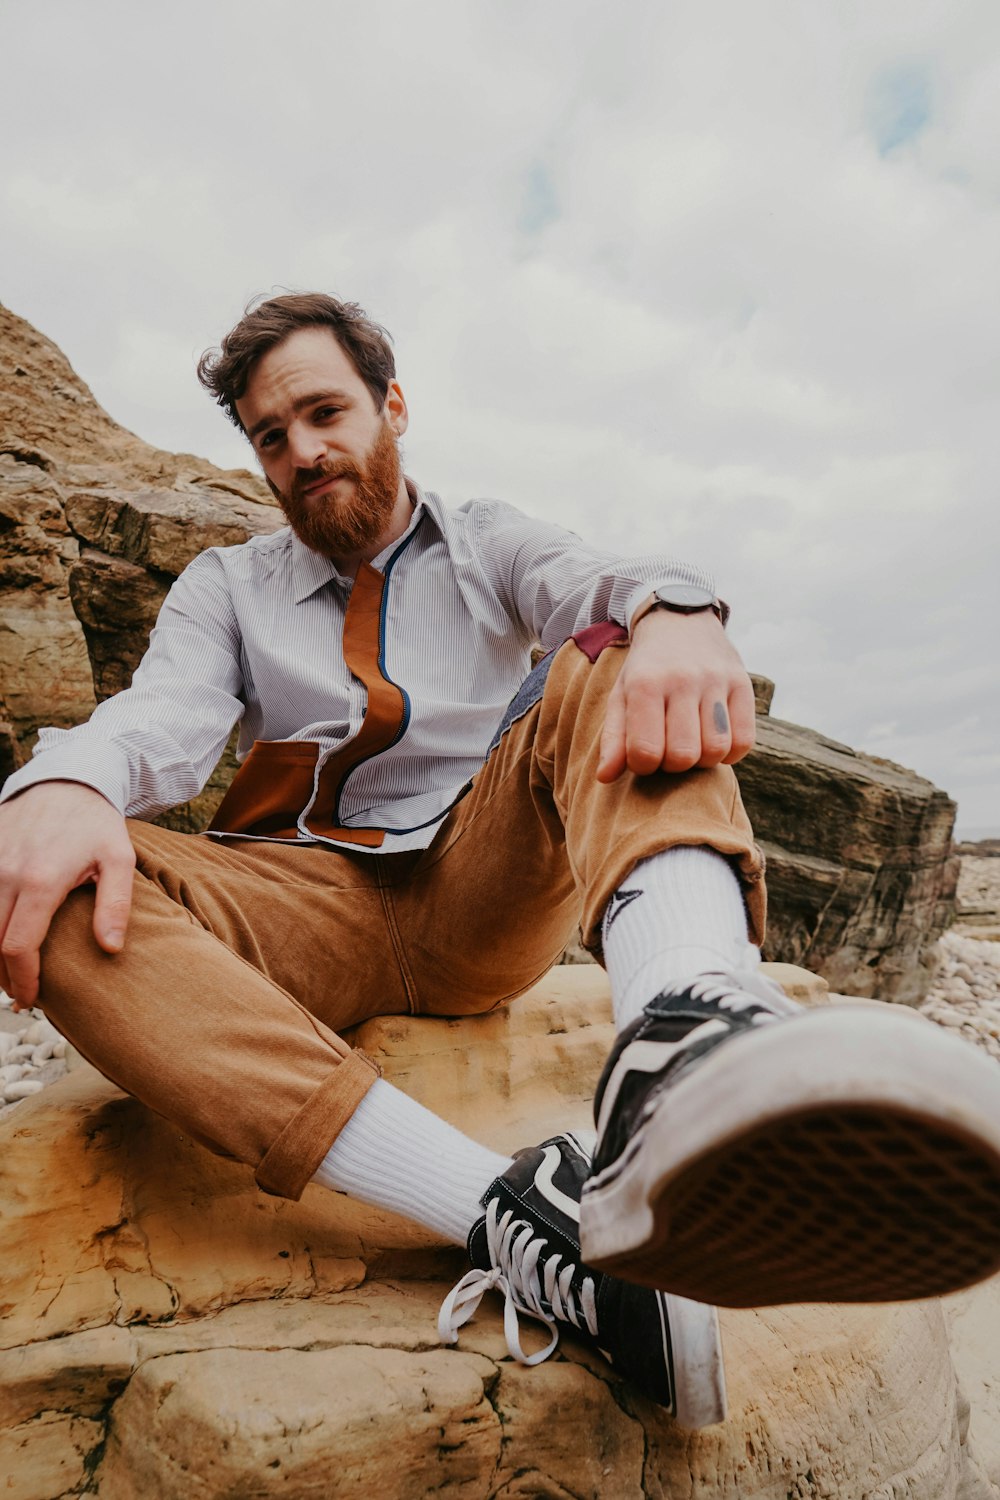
(156, 744)
(553, 584)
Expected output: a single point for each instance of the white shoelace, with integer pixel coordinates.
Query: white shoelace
(514, 1251)
(737, 995)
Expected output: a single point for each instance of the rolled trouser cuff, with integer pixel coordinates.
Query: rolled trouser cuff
(293, 1158)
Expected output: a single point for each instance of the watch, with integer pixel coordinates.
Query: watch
(682, 599)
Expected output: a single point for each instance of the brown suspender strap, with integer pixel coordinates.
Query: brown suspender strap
(275, 782)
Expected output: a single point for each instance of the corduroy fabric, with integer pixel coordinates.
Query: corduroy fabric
(246, 960)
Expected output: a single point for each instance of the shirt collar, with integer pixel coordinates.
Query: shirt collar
(312, 571)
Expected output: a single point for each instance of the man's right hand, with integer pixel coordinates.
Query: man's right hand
(55, 836)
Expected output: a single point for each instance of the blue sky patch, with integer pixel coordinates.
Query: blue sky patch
(539, 205)
(900, 105)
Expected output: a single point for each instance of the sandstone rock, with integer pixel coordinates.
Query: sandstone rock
(167, 1331)
(763, 693)
(973, 1319)
(68, 473)
(50, 420)
(44, 671)
(861, 878)
(798, 984)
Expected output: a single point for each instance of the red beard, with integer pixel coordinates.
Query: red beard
(344, 525)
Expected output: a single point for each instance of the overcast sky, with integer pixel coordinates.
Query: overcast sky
(712, 278)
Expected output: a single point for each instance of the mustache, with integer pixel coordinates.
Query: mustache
(341, 468)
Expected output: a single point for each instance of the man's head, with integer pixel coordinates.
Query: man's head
(225, 372)
(311, 381)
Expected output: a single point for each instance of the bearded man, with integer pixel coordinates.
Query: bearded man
(386, 848)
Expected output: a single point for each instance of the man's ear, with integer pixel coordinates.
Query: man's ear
(395, 408)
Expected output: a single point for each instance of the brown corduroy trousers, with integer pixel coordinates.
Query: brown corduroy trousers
(244, 959)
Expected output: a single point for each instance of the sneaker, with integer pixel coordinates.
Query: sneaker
(527, 1245)
(849, 1153)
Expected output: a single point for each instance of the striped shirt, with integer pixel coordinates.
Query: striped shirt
(255, 634)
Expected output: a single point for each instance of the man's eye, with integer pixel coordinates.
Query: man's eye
(269, 439)
(324, 412)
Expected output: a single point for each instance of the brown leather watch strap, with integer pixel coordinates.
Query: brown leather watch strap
(719, 608)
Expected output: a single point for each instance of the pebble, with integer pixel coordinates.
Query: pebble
(40, 1032)
(51, 1071)
(32, 1055)
(22, 1090)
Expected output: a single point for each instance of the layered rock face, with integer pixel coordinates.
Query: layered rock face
(95, 524)
(168, 1331)
(861, 878)
(88, 509)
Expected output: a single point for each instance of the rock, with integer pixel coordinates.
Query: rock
(763, 693)
(170, 1331)
(22, 1089)
(798, 984)
(44, 670)
(39, 1032)
(61, 455)
(861, 879)
(51, 421)
(50, 1072)
(973, 1319)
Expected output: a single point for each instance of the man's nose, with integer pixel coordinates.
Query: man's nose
(306, 447)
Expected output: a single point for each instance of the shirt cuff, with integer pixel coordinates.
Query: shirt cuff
(103, 767)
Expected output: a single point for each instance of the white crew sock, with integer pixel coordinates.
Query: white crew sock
(678, 914)
(394, 1153)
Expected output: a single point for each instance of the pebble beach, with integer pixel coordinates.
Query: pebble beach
(964, 995)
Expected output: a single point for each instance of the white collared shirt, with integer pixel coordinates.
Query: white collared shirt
(254, 634)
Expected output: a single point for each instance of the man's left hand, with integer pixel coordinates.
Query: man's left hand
(683, 699)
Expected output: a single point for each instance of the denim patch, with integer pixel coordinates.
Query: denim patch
(524, 699)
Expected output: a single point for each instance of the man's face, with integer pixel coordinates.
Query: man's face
(328, 455)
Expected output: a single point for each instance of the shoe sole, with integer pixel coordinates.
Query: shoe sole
(851, 1154)
(698, 1372)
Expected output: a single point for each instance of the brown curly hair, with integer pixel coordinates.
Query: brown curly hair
(225, 372)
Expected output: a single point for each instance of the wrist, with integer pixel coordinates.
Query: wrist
(686, 600)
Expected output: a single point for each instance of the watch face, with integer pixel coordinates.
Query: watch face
(685, 596)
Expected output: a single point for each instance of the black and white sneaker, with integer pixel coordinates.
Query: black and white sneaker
(849, 1153)
(527, 1245)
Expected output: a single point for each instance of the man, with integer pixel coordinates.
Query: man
(386, 849)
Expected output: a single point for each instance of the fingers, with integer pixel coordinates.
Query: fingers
(612, 761)
(743, 722)
(54, 837)
(683, 732)
(694, 724)
(716, 728)
(25, 932)
(6, 907)
(113, 904)
(683, 699)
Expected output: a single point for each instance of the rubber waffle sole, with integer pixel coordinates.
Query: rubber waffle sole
(836, 1205)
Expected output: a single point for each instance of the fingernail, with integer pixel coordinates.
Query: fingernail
(115, 939)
